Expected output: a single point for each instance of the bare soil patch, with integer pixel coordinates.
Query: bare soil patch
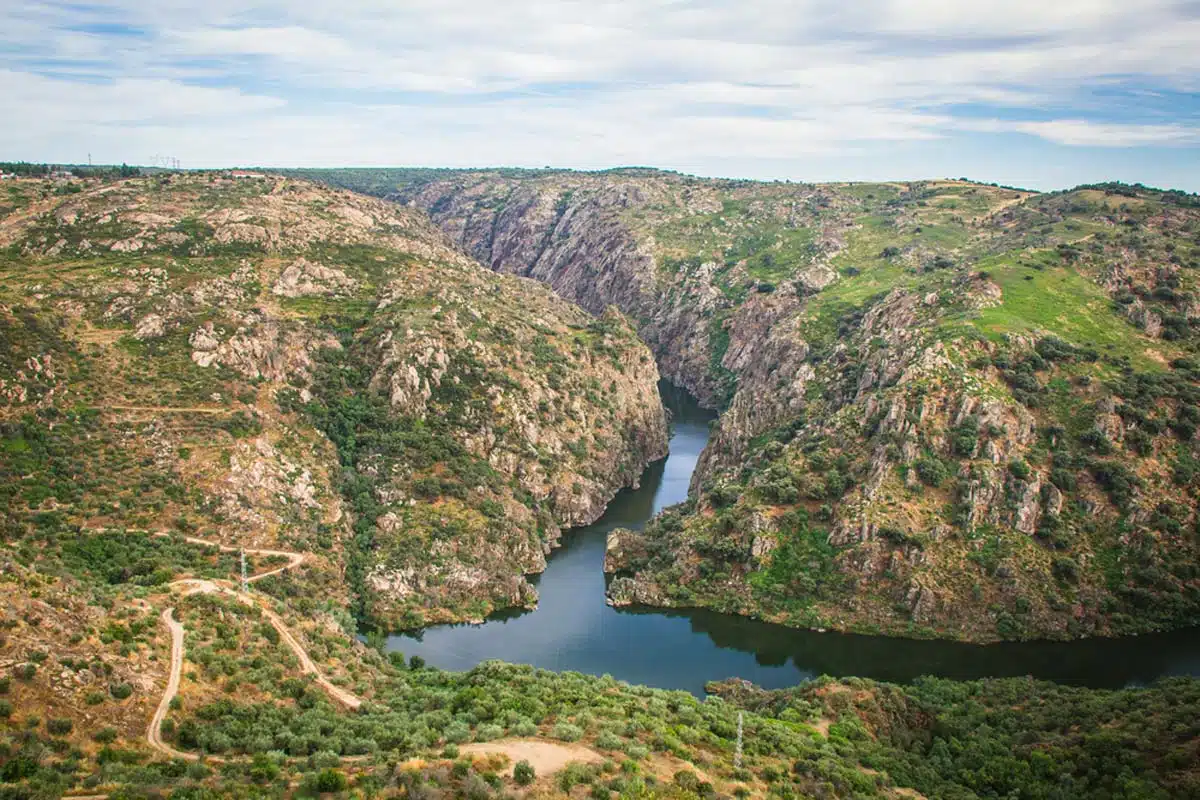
(546, 758)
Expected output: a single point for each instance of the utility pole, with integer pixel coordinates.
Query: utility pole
(246, 590)
(737, 755)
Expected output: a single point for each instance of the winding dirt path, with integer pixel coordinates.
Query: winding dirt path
(198, 585)
(154, 732)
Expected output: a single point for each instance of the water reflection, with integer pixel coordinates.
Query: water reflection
(573, 628)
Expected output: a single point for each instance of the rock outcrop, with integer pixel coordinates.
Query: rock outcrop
(902, 419)
(338, 377)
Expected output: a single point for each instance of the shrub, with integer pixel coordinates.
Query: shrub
(1065, 569)
(1019, 469)
(105, 735)
(932, 471)
(566, 732)
(525, 728)
(637, 751)
(476, 788)
(120, 690)
(608, 741)
(327, 780)
(724, 494)
(6, 709)
(486, 733)
(523, 773)
(59, 726)
(964, 437)
(1139, 441)
(457, 732)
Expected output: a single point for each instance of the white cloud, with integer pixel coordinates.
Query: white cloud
(48, 103)
(584, 83)
(1085, 133)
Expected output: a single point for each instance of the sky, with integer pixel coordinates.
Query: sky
(1038, 93)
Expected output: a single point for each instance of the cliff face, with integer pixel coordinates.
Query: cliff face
(271, 362)
(573, 234)
(948, 409)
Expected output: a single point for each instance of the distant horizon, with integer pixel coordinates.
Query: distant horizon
(597, 170)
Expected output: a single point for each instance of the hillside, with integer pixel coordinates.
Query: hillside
(949, 409)
(266, 362)
(197, 367)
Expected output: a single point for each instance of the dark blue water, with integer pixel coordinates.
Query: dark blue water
(573, 628)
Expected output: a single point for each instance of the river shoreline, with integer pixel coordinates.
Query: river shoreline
(573, 628)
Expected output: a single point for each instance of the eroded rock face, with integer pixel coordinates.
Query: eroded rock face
(309, 341)
(884, 376)
(302, 278)
(578, 245)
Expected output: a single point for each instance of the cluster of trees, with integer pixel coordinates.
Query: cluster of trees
(27, 169)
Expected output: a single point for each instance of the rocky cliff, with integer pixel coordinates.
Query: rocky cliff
(271, 362)
(949, 409)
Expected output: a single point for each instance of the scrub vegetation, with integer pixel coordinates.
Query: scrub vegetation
(974, 427)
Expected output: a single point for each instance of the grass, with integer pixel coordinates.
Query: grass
(313, 307)
(1062, 302)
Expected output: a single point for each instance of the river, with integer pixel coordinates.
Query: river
(573, 629)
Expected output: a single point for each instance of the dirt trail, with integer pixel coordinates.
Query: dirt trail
(198, 585)
(168, 409)
(337, 693)
(154, 733)
(546, 758)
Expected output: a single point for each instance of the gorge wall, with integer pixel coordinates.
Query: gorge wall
(949, 409)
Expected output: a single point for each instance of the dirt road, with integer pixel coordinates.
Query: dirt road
(154, 733)
(175, 628)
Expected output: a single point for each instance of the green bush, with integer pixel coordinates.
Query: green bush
(457, 732)
(523, 773)
(1065, 569)
(120, 690)
(609, 741)
(59, 726)
(566, 732)
(488, 732)
(325, 781)
(932, 471)
(1019, 469)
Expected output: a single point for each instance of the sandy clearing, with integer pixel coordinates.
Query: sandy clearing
(546, 758)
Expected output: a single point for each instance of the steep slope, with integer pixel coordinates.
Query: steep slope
(261, 391)
(950, 409)
(270, 362)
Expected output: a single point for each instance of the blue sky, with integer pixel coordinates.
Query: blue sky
(1039, 94)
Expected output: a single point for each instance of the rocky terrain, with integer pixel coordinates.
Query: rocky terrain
(272, 362)
(196, 365)
(948, 409)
